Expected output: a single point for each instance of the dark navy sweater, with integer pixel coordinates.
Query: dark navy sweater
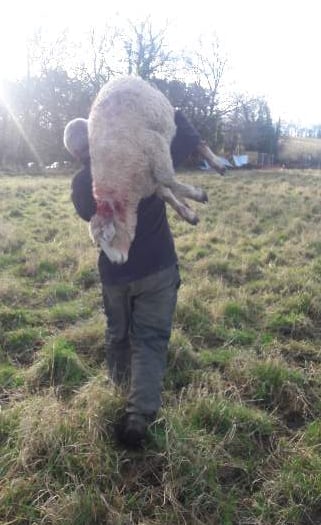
(153, 247)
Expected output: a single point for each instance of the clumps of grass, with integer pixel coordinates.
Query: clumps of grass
(40, 271)
(209, 445)
(235, 314)
(87, 277)
(11, 239)
(62, 314)
(13, 318)
(190, 475)
(238, 315)
(224, 269)
(11, 292)
(198, 251)
(314, 248)
(10, 377)
(58, 439)
(61, 291)
(274, 386)
(273, 258)
(21, 344)
(182, 361)
(9, 422)
(57, 364)
(46, 269)
(216, 357)
(244, 430)
(194, 318)
(18, 497)
(231, 271)
(236, 336)
(293, 493)
(204, 383)
(100, 403)
(312, 434)
(293, 324)
(272, 377)
(314, 307)
(302, 352)
(57, 450)
(88, 339)
(316, 269)
(82, 506)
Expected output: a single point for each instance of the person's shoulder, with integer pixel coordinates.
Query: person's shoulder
(81, 193)
(82, 177)
(152, 201)
(151, 208)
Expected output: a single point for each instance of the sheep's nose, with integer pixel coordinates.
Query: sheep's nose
(124, 258)
(109, 232)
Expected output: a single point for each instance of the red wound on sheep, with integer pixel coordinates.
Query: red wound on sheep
(104, 209)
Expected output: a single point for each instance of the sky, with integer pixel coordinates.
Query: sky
(272, 46)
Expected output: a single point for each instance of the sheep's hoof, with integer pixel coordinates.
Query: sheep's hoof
(199, 195)
(192, 219)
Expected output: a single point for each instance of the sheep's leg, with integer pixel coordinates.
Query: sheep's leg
(184, 190)
(164, 173)
(180, 207)
(213, 160)
(166, 178)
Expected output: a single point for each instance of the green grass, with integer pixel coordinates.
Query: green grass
(238, 439)
(57, 364)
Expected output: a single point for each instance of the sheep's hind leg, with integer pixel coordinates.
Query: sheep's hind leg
(180, 207)
(164, 173)
(166, 177)
(185, 190)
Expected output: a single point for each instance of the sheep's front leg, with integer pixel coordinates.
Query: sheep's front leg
(180, 207)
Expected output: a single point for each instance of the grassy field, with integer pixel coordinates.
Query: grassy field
(304, 150)
(238, 440)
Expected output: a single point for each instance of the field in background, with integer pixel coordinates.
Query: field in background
(238, 439)
(306, 151)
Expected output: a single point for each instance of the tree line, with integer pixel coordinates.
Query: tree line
(62, 78)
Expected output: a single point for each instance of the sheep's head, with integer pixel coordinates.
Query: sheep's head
(111, 231)
(107, 227)
(76, 138)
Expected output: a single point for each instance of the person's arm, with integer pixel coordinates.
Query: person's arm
(82, 194)
(187, 141)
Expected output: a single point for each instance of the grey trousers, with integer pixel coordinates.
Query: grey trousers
(139, 321)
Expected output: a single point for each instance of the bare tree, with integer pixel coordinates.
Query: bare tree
(100, 57)
(46, 53)
(146, 50)
(208, 63)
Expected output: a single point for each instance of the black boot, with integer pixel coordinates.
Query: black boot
(131, 430)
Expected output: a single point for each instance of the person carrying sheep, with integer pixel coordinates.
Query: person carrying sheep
(140, 295)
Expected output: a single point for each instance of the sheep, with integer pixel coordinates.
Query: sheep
(129, 133)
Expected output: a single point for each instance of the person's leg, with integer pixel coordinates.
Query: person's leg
(153, 308)
(118, 312)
